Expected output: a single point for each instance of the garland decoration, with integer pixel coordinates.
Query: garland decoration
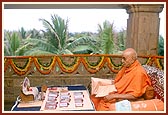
(158, 63)
(93, 69)
(114, 68)
(69, 68)
(94, 65)
(21, 70)
(148, 61)
(73, 65)
(6, 64)
(68, 64)
(47, 68)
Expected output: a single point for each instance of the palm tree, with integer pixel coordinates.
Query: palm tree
(84, 45)
(22, 33)
(36, 33)
(106, 35)
(24, 45)
(35, 46)
(11, 44)
(121, 37)
(56, 33)
(52, 41)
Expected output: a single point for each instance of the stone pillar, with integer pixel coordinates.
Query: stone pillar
(143, 27)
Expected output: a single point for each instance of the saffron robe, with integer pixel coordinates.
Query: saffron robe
(144, 105)
(133, 80)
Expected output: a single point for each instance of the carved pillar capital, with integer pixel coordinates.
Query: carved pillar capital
(155, 8)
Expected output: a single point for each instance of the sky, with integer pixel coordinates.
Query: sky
(80, 20)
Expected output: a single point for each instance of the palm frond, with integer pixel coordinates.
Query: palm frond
(106, 38)
(50, 28)
(82, 43)
(36, 52)
(60, 27)
(43, 44)
(12, 43)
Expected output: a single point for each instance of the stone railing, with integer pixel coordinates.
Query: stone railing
(62, 70)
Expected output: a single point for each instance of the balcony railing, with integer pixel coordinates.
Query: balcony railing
(63, 70)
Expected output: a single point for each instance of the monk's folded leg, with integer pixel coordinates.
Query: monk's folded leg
(95, 100)
(103, 106)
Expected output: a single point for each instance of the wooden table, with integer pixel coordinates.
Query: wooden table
(72, 90)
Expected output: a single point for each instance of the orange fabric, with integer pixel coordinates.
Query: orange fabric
(132, 80)
(95, 100)
(146, 105)
(99, 101)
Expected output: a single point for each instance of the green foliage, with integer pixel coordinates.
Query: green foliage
(56, 32)
(11, 44)
(121, 36)
(22, 33)
(106, 35)
(161, 46)
(32, 45)
(54, 40)
(83, 45)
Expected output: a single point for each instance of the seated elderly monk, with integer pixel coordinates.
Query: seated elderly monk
(131, 82)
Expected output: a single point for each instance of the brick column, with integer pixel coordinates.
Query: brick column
(143, 27)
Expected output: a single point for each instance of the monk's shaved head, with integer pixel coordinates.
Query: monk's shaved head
(131, 52)
(129, 56)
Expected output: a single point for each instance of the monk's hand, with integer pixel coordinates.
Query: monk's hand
(113, 92)
(108, 98)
